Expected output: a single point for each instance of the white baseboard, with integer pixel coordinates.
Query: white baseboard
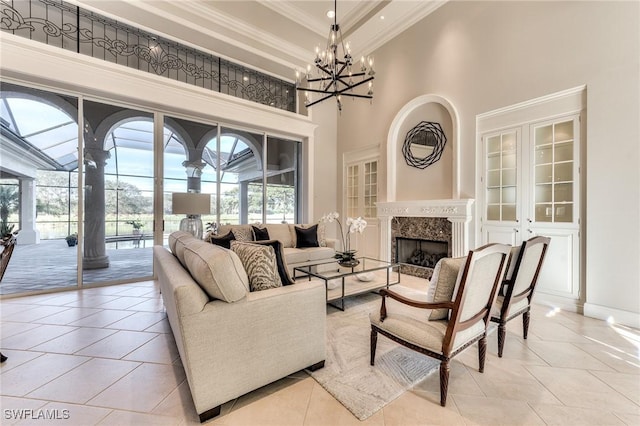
(564, 303)
(618, 316)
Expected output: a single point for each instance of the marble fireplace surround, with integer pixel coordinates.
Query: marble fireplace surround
(458, 214)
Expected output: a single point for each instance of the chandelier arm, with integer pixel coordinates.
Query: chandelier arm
(312, 80)
(318, 90)
(355, 95)
(320, 100)
(356, 85)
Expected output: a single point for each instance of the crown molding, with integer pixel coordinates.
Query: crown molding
(399, 16)
(296, 14)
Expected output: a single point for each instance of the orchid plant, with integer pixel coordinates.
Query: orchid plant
(353, 225)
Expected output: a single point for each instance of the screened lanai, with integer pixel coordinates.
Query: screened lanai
(252, 178)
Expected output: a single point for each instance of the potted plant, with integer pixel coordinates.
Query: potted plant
(137, 225)
(72, 240)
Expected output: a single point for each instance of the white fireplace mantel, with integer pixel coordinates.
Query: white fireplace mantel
(458, 212)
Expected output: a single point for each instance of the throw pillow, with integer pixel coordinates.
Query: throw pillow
(243, 233)
(218, 271)
(224, 240)
(281, 263)
(260, 234)
(307, 237)
(443, 283)
(260, 264)
(322, 234)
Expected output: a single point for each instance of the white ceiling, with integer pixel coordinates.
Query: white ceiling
(276, 36)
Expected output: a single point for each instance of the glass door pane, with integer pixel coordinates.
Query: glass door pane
(187, 168)
(554, 171)
(118, 193)
(353, 205)
(38, 188)
(370, 189)
(241, 171)
(282, 180)
(501, 178)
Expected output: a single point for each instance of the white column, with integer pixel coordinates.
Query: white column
(459, 236)
(28, 233)
(385, 238)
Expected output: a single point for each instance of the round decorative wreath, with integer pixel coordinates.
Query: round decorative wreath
(427, 134)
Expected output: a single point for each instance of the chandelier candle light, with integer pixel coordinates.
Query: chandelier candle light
(347, 257)
(337, 75)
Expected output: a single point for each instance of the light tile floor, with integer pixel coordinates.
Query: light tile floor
(107, 356)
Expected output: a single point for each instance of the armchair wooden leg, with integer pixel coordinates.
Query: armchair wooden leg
(374, 342)
(502, 334)
(525, 324)
(482, 351)
(444, 381)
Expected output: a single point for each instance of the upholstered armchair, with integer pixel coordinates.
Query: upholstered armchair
(518, 287)
(465, 320)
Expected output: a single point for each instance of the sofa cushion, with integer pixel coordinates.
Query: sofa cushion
(260, 234)
(260, 264)
(281, 262)
(217, 270)
(307, 237)
(224, 240)
(443, 283)
(173, 238)
(299, 255)
(181, 240)
(281, 232)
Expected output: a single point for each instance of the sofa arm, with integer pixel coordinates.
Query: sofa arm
(233, 348)
(331, 242)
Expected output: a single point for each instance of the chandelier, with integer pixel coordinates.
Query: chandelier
(336, 73)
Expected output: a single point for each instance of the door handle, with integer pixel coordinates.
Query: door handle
(516, 229)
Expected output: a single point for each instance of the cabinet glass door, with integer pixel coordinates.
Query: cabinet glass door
(554, 175)
(501, 177)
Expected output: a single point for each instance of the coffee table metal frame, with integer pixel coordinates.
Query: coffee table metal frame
(341, 272)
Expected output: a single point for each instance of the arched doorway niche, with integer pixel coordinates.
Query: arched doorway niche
(430, 107)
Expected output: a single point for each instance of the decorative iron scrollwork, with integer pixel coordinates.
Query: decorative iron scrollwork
(153, 53)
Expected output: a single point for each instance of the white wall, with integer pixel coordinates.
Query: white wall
(487, 55)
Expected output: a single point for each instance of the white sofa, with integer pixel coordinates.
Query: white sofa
(235, 341)
(286, 234)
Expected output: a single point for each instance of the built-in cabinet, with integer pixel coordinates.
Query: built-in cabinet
(530, 185)
(361, 176)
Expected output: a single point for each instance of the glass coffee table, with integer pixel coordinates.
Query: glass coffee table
(340, 282)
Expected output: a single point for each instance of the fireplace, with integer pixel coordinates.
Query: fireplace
(420, 252)
(442, 226)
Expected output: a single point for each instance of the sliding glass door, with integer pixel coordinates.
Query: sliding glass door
(118, 193)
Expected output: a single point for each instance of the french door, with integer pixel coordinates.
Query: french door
(361, 175)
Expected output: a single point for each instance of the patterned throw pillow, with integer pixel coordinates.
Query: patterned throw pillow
(260, 264)
(243, 233)
(280, 260)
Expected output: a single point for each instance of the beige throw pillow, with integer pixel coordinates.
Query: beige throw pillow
(443, 284)
(217, 270)
(260, 263)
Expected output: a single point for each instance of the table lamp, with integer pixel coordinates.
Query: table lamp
(192, 204)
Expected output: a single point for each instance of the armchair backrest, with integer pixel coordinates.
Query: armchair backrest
(526, 271)
(477, 290)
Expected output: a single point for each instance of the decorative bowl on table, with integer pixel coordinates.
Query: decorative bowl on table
(365, 276)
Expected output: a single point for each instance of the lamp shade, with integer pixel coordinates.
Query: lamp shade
(190, 203)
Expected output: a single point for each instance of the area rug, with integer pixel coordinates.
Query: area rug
(347, 375)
